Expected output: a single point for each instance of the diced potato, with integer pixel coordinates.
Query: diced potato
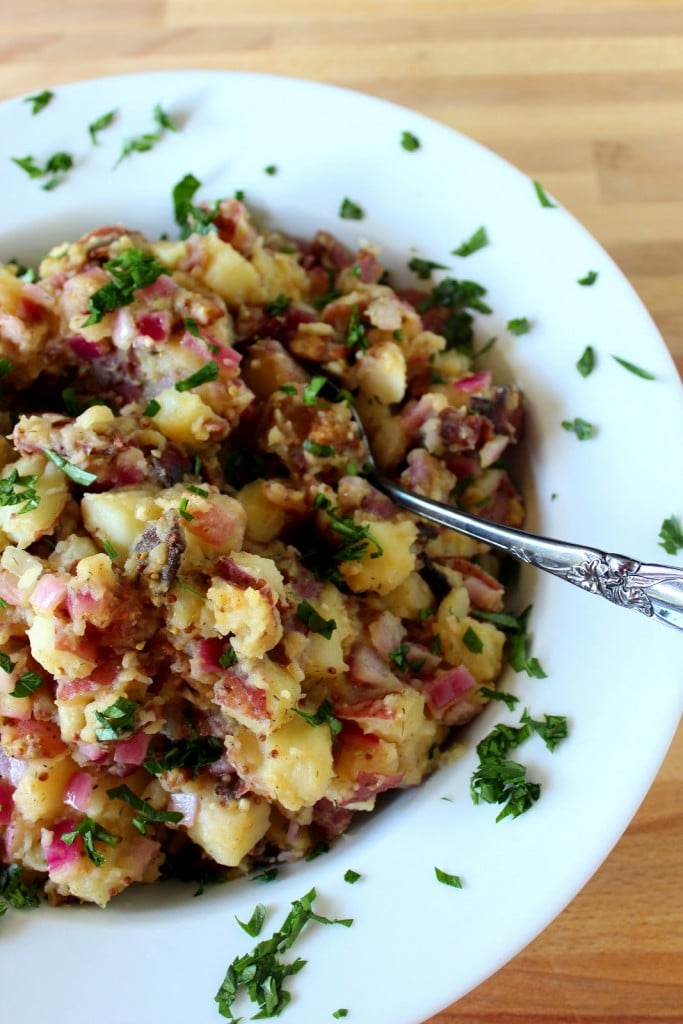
(292, 765)
(265, 521)
(382, 372)
(323, 658)
(23, 528)
(183, 417)
(229, 274)
(248, 614)
(387, 571)
(228, 829)
(280, 274)
(169, 252)
(485, 665)
(59, 663)
(451, 544)
(40, 792)
(386, 432)
(409, 598)
(119, 516)
(25, 567)
(281, 685)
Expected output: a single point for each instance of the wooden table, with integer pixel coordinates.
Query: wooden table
(586, 95)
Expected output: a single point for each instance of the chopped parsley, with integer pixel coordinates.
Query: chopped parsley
(590, 278)
(255, 923)
(271, 169)
(312, 389)
(357, 538)
(472, 641)
(146, 813)
(517, 645)
(321, 451)
(6, 663)
(182, 510)
(409, 141)
(311, 618)
(15, 892)
(472, 244)
(206, 373)
(542, 196)
(350, 210)
(582, 428)
(341, 1012)
(75, 473)
(399, 657)
(447, 879)
(91, 832)
(228, 657)
(351, 876)
(586, 363)
(355, 334)
(116, 720)
(99, 125)
(194, 753)
(6, 366)
(519, 325)
(508, 699)
(323, 716)
(453, 294)
(132, 270)
(152, 408)
(632, 368)
(278, 306)
(110, 550)
(57, 165)
(552, 730)
(504, 782)
(26, 684)
(261, 974)
(190, 218)
(671, 536)
(39, 100)
(143, 143)
(16, 489)
(424, 268)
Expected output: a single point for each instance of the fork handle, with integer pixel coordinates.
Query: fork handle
(654, 590)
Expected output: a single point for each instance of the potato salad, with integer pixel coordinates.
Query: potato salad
(220, 643)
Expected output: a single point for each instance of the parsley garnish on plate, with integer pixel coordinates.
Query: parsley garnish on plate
(632, 368)
(582, 428)
(423, 268)
(671, 536)
(57, 165)
(542, 196)
(586, 364)
(190, 218)
(39, 100)
(143, 143)
(350, 210)
(99, 125)
(519, 325)
(409, 141)
(261, 974)
(255, 923)
(476, 241)
(446, 878)
(509, 699)
(590, 279)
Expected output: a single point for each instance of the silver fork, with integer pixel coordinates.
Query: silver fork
(655, 590)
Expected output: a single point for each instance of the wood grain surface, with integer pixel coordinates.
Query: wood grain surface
(585, 95)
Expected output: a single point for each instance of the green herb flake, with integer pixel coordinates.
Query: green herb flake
(399, 657)
(519, 325)
(146, 813)
(355, 334)
(6, 366)
(410, 142)
(518, 642)
(590, 279)
(91, 832)
(194, 753)
(321, 451)
(132, 270)
(206, 373)
(75, 473)
(504, 782)
(152, 408)
(116, 720)
(15, 892)
(16, 489)
(311, 618)
(39, 100)
(6, 663)
(261, 974)
(552, 730)
(586, 363)
(26, 684)
(190, 218)
(341, 1012)
(447, 879)
(508, 699)
(424, 268)
(671, 536)
(632, 368)
(312, 389)
(255, 923)
(228, 657)
(110, 550)
(278, 306)
(147, 140)
(582, 428)
(472, 641)
(542, 196)
(57, 165)
(476, 241)
(271, 169)
(350, 210)
(324, 715)
(99, 125)
(352, 876)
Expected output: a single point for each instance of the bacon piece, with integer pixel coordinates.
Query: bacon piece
(448, 688)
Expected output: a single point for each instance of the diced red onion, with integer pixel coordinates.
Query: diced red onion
(132, 750)
(448, 687)
(49, 593)
(6, 802)
(185, 804)
(78, 790)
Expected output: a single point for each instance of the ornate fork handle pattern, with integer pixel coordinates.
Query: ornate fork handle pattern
(654, 590)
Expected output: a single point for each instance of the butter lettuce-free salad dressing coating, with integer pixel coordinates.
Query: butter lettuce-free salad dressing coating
(219, 641)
